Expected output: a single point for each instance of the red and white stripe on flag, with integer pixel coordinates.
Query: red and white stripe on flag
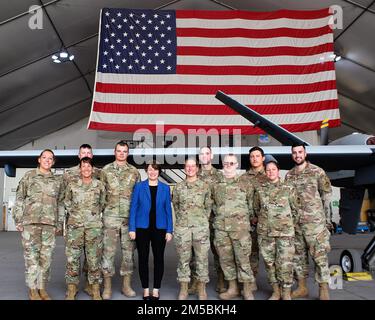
(278, 63)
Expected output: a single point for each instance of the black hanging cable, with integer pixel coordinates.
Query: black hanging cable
(351, 23)
(27, 12)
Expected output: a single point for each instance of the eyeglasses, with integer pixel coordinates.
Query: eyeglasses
(229, 163)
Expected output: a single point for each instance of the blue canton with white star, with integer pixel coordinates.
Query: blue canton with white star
(137, 41)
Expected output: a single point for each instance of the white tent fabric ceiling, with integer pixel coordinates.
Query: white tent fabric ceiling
(38, 97)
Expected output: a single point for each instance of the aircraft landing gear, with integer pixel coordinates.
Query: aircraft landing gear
(351, 261)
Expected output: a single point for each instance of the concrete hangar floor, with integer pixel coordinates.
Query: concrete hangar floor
(12, 283)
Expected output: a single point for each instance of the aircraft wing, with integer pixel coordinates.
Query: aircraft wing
(358, 161)
(328, 157)
(350, 160)
(285, 137)
(64, 158)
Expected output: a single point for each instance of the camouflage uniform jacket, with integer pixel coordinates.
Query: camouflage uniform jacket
(73, 174)
(233, 199)
(314, 190)
(192, 203)
(85, 203)
(210, 177)
(119, 183)
(256, 178)
(39, 199)
(276, 206)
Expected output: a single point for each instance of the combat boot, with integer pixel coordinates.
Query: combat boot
(34, 294)
(202, 294)
(107, 292)
(193, 286)
(88, 287)
(301, 291)
(247, 293)
(276, 295)
(96, 292)
(286, 293)
(183, 295)
(126, 287)
(323, 291)
(43, 293)
(71, 292)
(232, 292)
(220, 286)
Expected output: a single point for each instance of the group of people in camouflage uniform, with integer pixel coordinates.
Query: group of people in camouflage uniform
(94, 204)
(252, 213)
(236, 216)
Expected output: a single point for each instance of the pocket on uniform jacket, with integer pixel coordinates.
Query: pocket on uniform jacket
(94, 199)
(34, 189)
(49, 199)
(219, 194)
(50, 195)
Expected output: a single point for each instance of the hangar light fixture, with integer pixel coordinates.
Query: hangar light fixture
(335, 57)
(62, 56)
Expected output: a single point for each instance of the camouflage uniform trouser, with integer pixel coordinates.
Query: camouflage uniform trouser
(234, 249)
(314, 240)
(214, 253)
(89, 240)
(38, 241)
(186, 240)
(278, 255)
(254, 257)
(116, 228)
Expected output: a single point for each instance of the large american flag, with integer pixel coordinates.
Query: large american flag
(166, 66)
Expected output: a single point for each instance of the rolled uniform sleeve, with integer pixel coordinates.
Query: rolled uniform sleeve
(250, 201)
(103, 197)
(256, 204)
(61, 205)
(175, 200)
(295, 204)
(19, 206)
(325, 191)
(67, 200)
(208, 202)
(103, 178)
(65, 181)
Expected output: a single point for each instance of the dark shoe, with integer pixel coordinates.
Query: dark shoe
(147, 298)
(155, 298)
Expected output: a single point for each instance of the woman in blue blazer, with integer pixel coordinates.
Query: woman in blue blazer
(150, 221)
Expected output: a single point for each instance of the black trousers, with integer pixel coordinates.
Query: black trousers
(157, 239)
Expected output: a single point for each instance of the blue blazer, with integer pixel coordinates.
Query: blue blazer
(141, 205)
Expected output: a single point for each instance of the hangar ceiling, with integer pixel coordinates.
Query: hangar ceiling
(38, 97)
